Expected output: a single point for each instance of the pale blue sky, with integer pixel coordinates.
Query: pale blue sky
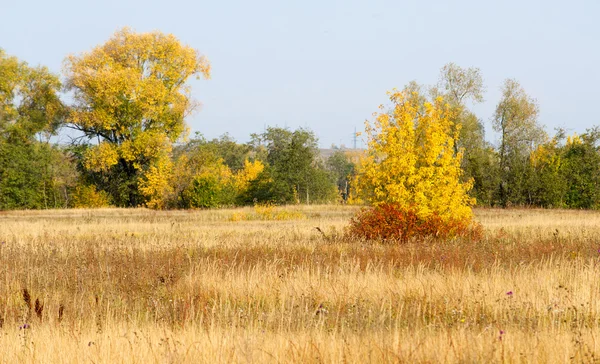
(326, 64)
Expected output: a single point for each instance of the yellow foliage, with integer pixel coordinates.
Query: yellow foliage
(264, 211)
(289, 215)
(218, 170)
(268, 212)
(134, 82)
(89, 197)
(234, 183)
(250, 172)
(546, 155)
(411, 159)
(29, 101)
(574, 140)
(131, 94)
(147, 146)
(155, 185)
(239, 216)
(101, 157)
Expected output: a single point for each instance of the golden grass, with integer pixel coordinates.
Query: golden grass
(198, 286)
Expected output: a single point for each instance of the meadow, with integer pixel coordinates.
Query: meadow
(264, 285)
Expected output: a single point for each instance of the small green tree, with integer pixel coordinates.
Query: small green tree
(295, 173)
(343, 169)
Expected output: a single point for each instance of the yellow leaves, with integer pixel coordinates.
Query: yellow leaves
(238, 181)
(540, 155)
(147, 146)
(101, 157)
(29, 101)
(149, 155)
(203, 67)
(197, 179)
(547, 156)
(134, 82)
(574, 140)
(155, 185)
(248, 174)
(411, 159)
(219, 170)
(89, 197)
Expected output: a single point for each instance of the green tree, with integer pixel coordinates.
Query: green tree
(208, 174)
(268, 187)
(343, 170)
(295, 172)
(581, 170)
(546, 185)
(200, 178)
(231, 152)
(33, 172)
(131, 99)
(458, 86)
(516, 121)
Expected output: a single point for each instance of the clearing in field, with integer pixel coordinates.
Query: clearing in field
(263, 285)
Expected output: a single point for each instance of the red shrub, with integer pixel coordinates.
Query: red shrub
(389, 222)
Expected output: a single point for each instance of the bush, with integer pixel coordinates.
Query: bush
(268, 212)
(390, 222)
(90, 197)
(203, 192)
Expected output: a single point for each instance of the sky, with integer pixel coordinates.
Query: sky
(326, 65)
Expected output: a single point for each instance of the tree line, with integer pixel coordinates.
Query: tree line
(130, 146)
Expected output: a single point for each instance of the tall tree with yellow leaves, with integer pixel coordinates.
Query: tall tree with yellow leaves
(131, 100)
(411, 160)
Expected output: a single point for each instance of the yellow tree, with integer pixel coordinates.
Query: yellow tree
(29, 102)
(411, 160)
(131, 100)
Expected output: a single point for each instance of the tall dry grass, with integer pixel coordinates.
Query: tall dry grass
(107, 286)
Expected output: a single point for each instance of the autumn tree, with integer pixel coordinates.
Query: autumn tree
(212, 173)
(33, 172)
(29, 102)
(516, 121)
(461, 87)
(412, 161)
(130, 101)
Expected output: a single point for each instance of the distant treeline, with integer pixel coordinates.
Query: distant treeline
(126, 125)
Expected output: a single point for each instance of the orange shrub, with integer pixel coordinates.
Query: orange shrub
(391, 222)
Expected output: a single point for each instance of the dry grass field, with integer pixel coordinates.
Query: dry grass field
(261, 285)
